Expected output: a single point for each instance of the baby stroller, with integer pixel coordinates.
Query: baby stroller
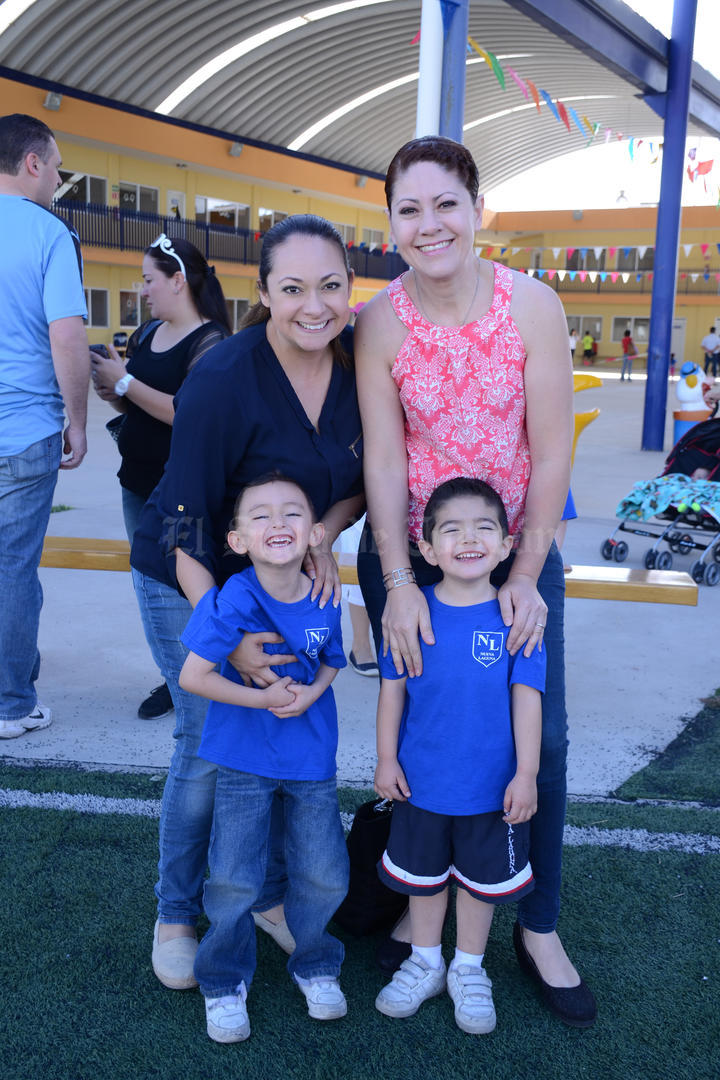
(680, 508)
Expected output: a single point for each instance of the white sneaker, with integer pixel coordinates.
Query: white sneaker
(34, 721)
(413, 982)
(227, 1018)
(471, 992)
(325, 999)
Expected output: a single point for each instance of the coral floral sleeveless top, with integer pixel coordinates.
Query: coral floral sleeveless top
(463, 393)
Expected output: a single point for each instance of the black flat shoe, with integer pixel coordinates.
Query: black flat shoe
(390, 953)
(575, 1005)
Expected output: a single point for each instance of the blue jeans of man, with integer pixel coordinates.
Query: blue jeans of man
(540, 909)
(317, 869)
(27, 483)
(188, 799)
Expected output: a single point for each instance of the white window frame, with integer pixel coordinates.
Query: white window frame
(236, 315)
(75, 177)
(274, 215)
(138, 188)
(347, 232)
(372, 238)
(140, 319)
(222, 204)
(88, 303)
(578, 323)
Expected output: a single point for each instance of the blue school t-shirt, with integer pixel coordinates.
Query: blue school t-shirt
(456, 744)
(253, 740)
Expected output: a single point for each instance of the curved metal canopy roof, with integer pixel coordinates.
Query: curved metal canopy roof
(287, 66)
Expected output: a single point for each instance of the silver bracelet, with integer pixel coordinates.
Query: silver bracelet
(404, 575)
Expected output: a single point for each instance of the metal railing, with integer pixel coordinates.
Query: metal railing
(108, 227)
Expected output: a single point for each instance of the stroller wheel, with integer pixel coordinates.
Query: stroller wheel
(620, 551)
(685, 544)
(664, 560)
(712, 574)
(649, 560)
(606, 549)
(673, 541)
(716, 553)
(697, 572)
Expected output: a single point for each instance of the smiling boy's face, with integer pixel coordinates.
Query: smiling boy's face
(274, 524)
(467, 540)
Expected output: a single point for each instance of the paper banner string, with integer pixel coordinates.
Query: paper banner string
(516, 78)
(550, 104)
(563, 114)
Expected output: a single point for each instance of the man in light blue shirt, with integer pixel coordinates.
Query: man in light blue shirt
(44, 368)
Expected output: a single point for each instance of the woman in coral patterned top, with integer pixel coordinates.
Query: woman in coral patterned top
(464, 370)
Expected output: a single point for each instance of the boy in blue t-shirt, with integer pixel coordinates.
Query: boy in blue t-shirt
(459, 749)
(281, 739)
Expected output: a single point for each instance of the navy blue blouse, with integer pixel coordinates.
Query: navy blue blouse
(236, 418)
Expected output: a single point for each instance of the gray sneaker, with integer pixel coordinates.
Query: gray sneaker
(413, 982)
(471, 992)
(34, 721)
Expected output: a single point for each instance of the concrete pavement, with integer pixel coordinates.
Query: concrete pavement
(634, 670)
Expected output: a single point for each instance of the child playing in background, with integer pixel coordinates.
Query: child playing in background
(459, 749)
(279, 739)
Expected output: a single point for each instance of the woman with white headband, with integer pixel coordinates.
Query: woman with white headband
(189, 316)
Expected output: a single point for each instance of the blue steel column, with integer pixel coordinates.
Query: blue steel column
(677, 98)
(452, 100)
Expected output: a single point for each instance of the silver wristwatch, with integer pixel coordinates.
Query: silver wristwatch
(121, 386)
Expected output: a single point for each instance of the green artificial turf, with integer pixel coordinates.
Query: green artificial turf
(689, 768)
(78, 1000)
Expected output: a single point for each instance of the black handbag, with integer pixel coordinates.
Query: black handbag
(369, 905)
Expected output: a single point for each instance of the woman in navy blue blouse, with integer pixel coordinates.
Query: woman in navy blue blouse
(279, 395)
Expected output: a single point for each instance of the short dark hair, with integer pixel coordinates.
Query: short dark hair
(460, 487)
(21, 135)
(275, 477)
(440, 150)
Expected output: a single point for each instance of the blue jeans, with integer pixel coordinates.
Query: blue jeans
(626, 366)
(317, 867)
(539, 911)
(27, 483)
(188, 799)
(132, 505)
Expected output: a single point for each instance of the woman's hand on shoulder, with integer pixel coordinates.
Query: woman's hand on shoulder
(405, 620)
(320, 566)
(524, 610)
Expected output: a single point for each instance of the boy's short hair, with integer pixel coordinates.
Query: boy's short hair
(459, 487)
(273, 478)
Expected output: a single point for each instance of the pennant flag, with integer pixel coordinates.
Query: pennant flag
(614, 276)
(717, 276)
(598, 252)
(540, 273)
(718, 247)
(704, 248)
(583, 252)
(611, 252)
(683, 276)
(626, 278)
(687, 248)
(592, 274)
(384, 248)
(550, 104)
(551, 274)
(641, 251)
(415, 39)
(631, 149)
(691, 174)
(576, 121)
(503, 250)
(589, 126)
(514, 251)
(572, 274)
(556, 252)
(626, 251)
(638, 277)
(706, 276)
(704, 168)
(570, 252)
(694, 277)
(530, 272)
(650, 276)
(514, 75)
(258, 235)
(691, 153)
(608, 133)
(533, 91)
(491, 60)
(619, 136)
(563, 114)
(350, 243)
(561, 274)
(603, 275)
(582, 274)
(489, 251)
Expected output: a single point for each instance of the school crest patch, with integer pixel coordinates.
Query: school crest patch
(487, 646)
(315, 639)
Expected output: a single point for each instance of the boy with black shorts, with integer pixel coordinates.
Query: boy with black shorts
(458, 749)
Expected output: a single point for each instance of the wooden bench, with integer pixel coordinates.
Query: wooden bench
(583, 582)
